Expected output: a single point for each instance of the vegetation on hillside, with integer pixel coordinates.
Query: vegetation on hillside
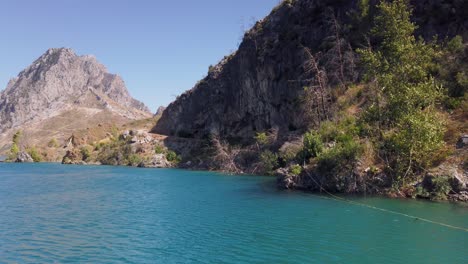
(17, 148)
(384, 131)
(402, 114)
(14, 150)
(381, 106)
(401, 127)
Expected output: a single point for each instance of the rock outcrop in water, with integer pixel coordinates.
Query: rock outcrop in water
(61, 93)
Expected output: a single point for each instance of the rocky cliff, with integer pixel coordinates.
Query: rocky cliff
(59, 80)
(293, 100)
(62, 92)
(258, 88)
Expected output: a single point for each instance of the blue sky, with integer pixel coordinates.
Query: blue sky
(161, 48)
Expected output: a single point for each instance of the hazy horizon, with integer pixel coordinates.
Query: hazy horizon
(159, 48)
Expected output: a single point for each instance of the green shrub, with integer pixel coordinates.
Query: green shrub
(13, 152)
(172, 156)
(159, 149)
(296, 169)
(261, 138)
(440, 188)
(462, 81)
(345, 126)
(100, 145)
(437, 188)
(66, 160)
(14, 149)
(134, 160)
(269, 161)
(115, 132)
(404, 94)
(313, 145)
(452, 103)
(115, 152)
(455, 45)
(339, 158)
(414, 145)
(53, 143)
(16, 137)
(452, 68)
(290, 152)
(85, 153)
(35, 155)
(328, 131)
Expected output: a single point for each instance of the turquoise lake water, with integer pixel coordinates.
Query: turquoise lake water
(51, 213)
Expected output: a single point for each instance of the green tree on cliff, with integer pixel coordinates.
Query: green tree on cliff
(403, 111)
(15, 146)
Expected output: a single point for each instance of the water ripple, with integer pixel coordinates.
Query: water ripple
(69, 214)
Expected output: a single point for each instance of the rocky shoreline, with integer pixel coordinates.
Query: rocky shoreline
(154, 150)
(448, 181)
(302, 99)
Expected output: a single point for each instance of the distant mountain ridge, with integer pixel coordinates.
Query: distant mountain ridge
(60, 80)
(62, 92)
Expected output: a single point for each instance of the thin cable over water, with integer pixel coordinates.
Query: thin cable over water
(340, 199)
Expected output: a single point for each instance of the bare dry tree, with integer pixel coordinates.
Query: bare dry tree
(224, 156)
(338, 48)
(317, 92)
(350, 60)
(340, 58)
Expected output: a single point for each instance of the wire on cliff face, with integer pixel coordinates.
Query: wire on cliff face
(340, 199)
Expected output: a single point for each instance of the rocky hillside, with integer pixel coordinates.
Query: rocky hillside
(258, 88)
(339, 95)
(62, 92)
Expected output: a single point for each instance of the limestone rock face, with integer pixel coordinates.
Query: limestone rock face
(23, 157)
(61, 80)
(259, 87)
(157, 161)
(60, 94)
(160, 111)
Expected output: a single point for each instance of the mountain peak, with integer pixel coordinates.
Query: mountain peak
(60, 79)
(62, 50)
(55, 54)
